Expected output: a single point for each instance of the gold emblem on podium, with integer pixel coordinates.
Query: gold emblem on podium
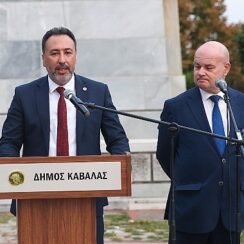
(16, 178)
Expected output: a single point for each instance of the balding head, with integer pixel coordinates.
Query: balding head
(214, 49)
(211, 63)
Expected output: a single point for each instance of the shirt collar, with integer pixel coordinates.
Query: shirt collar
(205, 95)
(69, 86)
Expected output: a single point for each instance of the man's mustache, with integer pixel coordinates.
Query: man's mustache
(62, 66)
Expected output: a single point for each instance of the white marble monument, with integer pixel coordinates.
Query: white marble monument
(132, 45)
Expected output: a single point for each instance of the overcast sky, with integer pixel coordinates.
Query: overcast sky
(235, 11)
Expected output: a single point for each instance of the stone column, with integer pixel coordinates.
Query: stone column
(3, 23)
(172, 33)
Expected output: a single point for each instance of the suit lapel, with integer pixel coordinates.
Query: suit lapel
(197, 109)
(42, 99)
(81, 92)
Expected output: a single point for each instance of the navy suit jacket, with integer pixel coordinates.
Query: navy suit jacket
(28, 125)
(205, 181)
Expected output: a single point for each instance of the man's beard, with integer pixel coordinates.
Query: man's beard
(61, 79)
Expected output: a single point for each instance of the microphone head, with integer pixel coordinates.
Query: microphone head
(68, 93)
(220, 82)
(222, 85)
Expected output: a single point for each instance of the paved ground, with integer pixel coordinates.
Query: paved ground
(8, 230)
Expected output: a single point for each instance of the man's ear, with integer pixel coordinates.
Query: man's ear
(43, 61)
(227, 68)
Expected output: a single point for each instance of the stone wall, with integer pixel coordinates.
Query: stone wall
(132, 45)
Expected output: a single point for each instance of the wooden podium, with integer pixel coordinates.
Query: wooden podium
(56, 196)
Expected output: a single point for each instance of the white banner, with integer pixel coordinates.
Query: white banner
(71, 176)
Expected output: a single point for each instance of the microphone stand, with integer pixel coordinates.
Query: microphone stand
(239, 154)
(173, 129)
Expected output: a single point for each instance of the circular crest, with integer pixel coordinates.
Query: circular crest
(16, 178)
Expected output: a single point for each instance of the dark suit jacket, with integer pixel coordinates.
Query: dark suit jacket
(28, 124)
(205, 181)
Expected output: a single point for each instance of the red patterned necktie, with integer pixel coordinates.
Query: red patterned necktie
(62, 131)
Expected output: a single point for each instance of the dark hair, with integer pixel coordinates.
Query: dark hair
(57, 31)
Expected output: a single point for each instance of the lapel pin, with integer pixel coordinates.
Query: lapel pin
(84, 88)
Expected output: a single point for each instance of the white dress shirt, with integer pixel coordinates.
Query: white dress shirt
(71, 117)
(208, 106)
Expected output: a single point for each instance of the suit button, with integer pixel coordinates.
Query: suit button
(221, 183)
(223, 160)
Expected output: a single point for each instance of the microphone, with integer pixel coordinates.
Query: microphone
(68, 94)
(222, 85)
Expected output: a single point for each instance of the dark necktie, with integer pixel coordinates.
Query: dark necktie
(62, 131)
(217, 123)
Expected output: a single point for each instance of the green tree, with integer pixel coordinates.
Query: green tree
(202, 21)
